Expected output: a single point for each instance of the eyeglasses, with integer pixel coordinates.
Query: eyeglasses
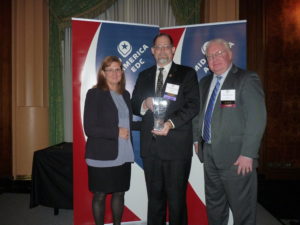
(118, 70)
(162, 47)
(215, 55)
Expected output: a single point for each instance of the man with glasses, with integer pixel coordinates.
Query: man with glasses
(227, 135)
(166, 153)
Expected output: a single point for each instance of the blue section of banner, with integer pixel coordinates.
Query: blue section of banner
(196, 36)
(132, 44)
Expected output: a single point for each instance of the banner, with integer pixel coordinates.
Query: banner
(92, 40)
(190, 42)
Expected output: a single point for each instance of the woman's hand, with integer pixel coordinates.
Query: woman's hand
(123, 133)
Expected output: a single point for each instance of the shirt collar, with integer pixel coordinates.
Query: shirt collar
(166, 67)
(224, 75)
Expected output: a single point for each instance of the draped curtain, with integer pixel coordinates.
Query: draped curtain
(158, 12)
(186, 11)
(60, 14)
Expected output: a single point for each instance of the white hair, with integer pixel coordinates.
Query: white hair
(218, 41)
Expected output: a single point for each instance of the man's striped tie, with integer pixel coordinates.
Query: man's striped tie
(209, 111)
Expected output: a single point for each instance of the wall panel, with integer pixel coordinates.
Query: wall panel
(273, 49)
(30, 83)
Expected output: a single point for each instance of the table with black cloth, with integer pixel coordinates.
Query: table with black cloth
(52, 177)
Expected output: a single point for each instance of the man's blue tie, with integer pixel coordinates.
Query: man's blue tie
(209, 111)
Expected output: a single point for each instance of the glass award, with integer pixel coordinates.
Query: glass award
(159, 112)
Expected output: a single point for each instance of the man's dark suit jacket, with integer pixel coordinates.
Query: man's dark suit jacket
(235, 130)
(178, 143)
(101, 124)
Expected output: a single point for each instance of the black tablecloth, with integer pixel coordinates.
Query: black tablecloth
(52, 177)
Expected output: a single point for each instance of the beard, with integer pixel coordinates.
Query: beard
(163, 60)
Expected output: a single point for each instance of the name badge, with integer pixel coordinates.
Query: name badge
(171, 91)
(228, 98)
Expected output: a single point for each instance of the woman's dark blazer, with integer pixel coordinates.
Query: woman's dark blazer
(101, 124)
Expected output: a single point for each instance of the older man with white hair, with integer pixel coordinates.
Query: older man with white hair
(227, 135)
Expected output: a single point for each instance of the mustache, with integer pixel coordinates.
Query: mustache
(162, 55)
(163, 60)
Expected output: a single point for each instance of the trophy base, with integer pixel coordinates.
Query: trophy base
(158, 124)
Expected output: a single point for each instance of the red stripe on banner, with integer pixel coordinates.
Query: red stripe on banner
(82, 36)
(175, 33)
(83, 33)
(196, 209)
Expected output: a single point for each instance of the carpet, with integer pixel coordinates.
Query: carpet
(290, 222)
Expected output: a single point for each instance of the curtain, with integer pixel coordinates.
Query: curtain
(157, 12)
(60, 14)
(186, 11)
(67, 86)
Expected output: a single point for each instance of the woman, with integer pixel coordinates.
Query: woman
(109, 153)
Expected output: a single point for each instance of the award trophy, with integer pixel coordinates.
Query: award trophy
(159, 111)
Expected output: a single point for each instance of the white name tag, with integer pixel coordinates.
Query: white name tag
(172, 89)
(228, 95)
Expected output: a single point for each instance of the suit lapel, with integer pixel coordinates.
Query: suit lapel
(205, 91)
(151, 80)
(203, 95)
(229, 79)
(110, 99)
(171, 76)
(228, 84)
